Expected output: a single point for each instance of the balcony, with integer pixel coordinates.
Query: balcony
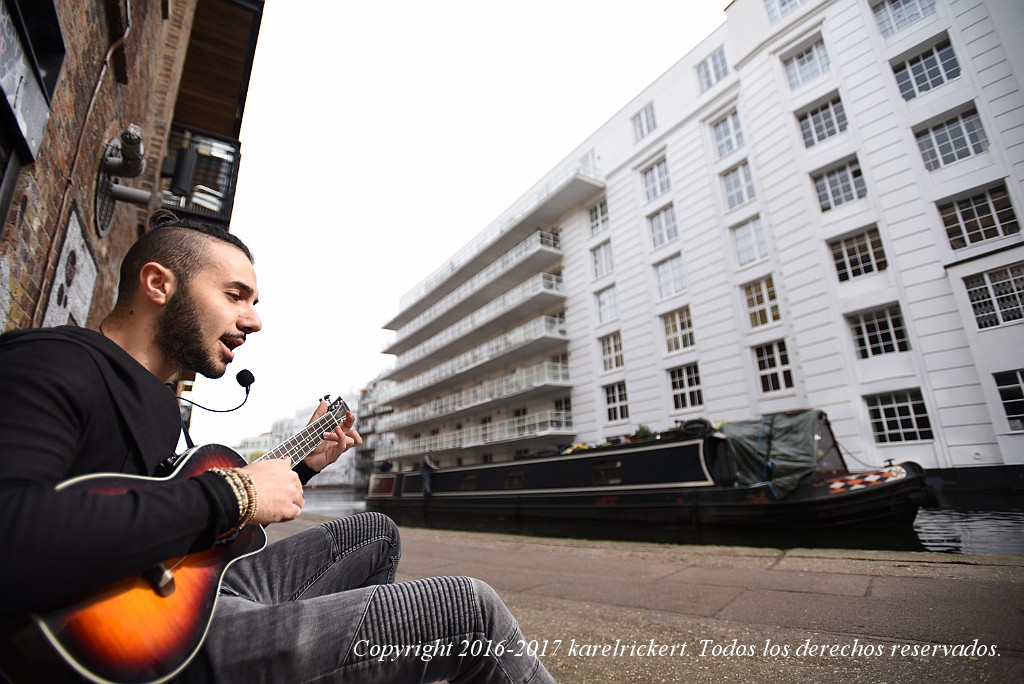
(199, 174)
(538, 210)
(534, 254)
(544, 334)
(541, 424)
(515, 384)
(538, 294)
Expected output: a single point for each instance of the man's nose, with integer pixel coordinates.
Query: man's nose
(250, 322)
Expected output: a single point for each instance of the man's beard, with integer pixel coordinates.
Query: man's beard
(180, 337)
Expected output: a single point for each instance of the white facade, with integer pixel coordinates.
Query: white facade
(771, 225)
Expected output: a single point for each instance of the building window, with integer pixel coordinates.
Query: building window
(607, 307)
(671, 279)
(751, 244)
(602, 256)
(615, 400)
(879, 332)
(859, 255)
(663, 226)
(656, 181)
(978, 218)
(928, 70)
(952, 140)
(762, 307)
(899, 417)
(686, 390)
(780, 8)
(611, 351)
(773, 367)
(712, 70)
(997, 296)
(739, 185)
(643, 123)
(678, 329)
(824, 122)
(807, 65)
(728, 134)
(895, 15)
(1011, 392)
(840, 186)
(599, 217)
(33, 52)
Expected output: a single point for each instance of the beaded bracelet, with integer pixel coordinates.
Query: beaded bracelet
(245, 494)
(252, 499)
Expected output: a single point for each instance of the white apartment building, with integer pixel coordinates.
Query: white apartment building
(818, 206)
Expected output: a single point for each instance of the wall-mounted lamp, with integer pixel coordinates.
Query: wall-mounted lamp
(123, 158)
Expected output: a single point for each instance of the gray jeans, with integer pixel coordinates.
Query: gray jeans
(322, 606)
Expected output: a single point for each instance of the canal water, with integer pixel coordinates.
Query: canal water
(959, 528)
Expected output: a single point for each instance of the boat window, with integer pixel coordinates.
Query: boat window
(468, 482)
(608, 472)
(514, 478)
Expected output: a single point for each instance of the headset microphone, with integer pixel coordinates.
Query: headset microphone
(245, 379)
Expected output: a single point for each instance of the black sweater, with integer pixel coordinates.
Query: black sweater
(72, 402)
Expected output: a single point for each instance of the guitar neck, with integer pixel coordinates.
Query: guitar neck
(297, 447)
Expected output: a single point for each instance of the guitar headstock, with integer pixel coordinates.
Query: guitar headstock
(337, 409)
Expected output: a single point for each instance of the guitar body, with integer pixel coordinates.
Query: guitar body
(127, 632)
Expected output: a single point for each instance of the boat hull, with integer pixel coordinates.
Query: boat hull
(668, 485)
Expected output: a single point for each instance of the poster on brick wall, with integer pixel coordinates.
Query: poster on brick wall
(73, 284)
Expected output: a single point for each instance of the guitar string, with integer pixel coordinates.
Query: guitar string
(300, 444)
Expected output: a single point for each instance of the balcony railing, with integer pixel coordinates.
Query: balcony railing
(584, 167)
(545, 326)
(508, 261)
(200, 173)
(521, 427)
(542, 282)
(511, 384)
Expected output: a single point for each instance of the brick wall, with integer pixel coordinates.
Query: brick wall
(54, 264)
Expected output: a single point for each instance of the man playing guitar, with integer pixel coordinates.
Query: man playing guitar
(320, 605)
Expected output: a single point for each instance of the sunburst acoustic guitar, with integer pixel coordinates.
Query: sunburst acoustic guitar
(147, 628)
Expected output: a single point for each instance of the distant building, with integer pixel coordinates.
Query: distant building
(373, 409)
(818, 206)
(252, 448)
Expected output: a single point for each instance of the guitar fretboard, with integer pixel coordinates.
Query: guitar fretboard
(300, 445)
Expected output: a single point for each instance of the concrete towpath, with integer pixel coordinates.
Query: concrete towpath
(607, 611)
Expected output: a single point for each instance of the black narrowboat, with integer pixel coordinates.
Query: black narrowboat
(779, 470)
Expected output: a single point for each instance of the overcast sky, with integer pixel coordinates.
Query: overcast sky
(380, 137)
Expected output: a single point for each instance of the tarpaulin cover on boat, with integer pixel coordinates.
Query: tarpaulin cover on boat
(779, 448)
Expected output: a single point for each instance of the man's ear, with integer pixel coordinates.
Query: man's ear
(157, 283)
